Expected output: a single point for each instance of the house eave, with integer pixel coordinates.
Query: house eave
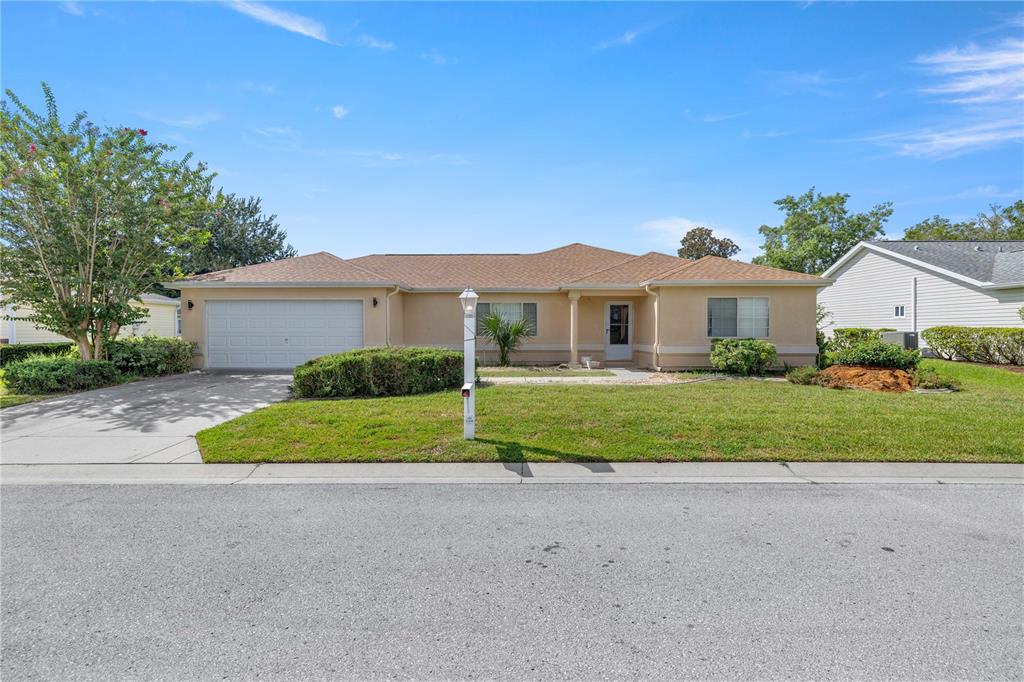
(213, 284)
(821, 283)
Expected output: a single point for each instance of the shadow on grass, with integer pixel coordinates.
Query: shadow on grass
(511, 452)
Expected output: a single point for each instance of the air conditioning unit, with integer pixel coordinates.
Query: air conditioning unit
(904, 339)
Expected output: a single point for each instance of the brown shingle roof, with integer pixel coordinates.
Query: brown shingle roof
(715, 268)
(316, 267)
(544, 270)
(631, 271)
(575, 265)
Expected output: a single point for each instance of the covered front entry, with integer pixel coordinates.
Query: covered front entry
(609, 326)
(279, 334)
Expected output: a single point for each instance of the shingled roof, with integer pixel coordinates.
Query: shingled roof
(572, 266)
(998, 262)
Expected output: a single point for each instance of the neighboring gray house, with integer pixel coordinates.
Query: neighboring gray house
(914, 285)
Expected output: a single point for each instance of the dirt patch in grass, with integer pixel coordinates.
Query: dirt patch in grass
(871, 378)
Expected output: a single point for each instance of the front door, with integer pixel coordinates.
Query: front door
(618, 331)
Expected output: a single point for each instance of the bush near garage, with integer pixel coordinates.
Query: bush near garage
(370, 372)
(14, 353)
(47, 374)
(844, 338)
(151, 356)
(991, 345)
(742, 356)
(876, 353)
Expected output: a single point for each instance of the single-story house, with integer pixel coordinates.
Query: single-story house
(914, 285)
(163, 320)
(651, 310)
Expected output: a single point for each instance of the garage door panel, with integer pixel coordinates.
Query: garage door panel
(279, 334)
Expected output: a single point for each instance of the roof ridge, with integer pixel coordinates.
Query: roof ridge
(589, 246)
(619, 265)
(689, 263)
(354, 265)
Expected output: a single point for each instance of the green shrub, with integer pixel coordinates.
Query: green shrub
(9, 354)
(844, 338)
(742, 356)
(993, 345)
(151, 356)
(805, 376)
(47, 374)
(928, 378)
(379, 372)
(876, 353)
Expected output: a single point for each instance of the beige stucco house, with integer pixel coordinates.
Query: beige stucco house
(162, 320)
(651, 310)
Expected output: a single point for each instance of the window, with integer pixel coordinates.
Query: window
(899, 311)
(737, 317)
(177, 321)
(509, 312)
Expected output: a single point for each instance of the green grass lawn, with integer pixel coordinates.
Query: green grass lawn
(541, 372)
(710, 421)
(8, 399)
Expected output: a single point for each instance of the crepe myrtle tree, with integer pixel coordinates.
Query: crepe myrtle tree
(91, 219)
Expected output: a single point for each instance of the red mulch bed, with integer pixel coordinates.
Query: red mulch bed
(869, 378)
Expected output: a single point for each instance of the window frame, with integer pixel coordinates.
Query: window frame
(899, 312)
(768, 317)
(522, 313)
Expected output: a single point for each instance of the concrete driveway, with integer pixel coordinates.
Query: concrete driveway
(146, 421)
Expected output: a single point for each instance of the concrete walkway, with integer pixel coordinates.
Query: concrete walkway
(145, 421)
(515, 473)
(621, 376)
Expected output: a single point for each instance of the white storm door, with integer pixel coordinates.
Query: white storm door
(618, 331)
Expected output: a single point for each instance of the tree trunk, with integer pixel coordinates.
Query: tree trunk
(84, 349)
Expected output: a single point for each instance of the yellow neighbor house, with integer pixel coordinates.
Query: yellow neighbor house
(163, 320)
(651, 310)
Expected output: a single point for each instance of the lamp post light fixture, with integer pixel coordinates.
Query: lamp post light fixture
(467, 301)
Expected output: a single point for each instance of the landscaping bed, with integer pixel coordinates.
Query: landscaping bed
(740, 420)
(541, 372)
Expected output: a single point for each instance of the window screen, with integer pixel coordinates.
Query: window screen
(737, 317)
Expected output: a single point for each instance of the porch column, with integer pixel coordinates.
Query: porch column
(574, 327)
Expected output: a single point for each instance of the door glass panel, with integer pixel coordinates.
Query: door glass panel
(618, 325)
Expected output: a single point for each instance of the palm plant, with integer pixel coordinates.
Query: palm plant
(505, 334)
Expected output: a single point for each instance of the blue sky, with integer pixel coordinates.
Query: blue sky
(519, 127)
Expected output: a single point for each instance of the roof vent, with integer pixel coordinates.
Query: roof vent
(978, 247)
(917, 247)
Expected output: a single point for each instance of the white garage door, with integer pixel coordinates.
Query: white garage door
(279, 334)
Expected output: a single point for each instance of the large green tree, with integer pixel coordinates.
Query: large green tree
(999, 223)
(817, 230)
(701, 241)
(91, 219)
(239, 234)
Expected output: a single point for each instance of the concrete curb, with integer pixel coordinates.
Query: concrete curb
(513, 473)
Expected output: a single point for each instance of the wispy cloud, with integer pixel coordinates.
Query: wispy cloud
(259, 88)
(624, 40)
(187, 121)
(434, 57)
(289, 21)
(748, 134)
(712, 117)
(272, 131)
(72, 8)
(339, 111)
(793, 82)
(664, 233)
(373, 43)
(954, 140)
(978, 74)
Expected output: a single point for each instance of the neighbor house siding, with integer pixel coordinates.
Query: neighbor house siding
(192, 321)
(868, 287)
(160, 321)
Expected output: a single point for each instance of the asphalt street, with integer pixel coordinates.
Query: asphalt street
(737, 581)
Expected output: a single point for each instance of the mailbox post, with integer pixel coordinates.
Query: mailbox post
(467, 301)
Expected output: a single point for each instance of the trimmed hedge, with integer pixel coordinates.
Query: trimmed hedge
(369, 372)
(844, 338)
(151, 356)
(14, 353)
(43, 374)
(993, 345)
(742, 356)
(876, 353)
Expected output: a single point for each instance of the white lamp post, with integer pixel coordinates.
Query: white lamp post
(467, 301)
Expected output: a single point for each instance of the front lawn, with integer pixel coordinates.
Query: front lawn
(541, 372)
(708, 421)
